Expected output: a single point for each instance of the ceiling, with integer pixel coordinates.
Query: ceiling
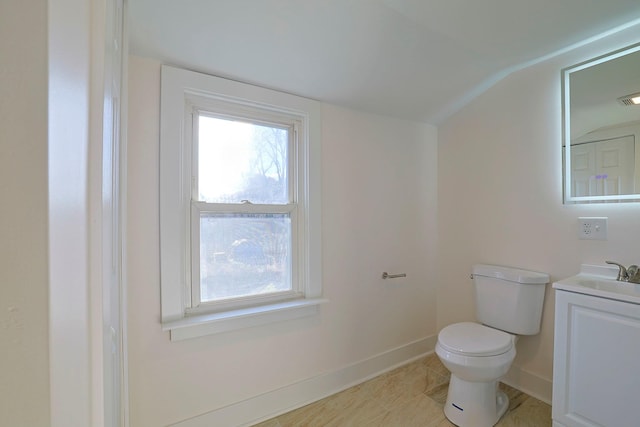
(415, 59)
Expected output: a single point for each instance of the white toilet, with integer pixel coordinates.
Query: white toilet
(508, 303)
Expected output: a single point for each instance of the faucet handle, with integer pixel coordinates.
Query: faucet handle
(623, 275)
(634, 274)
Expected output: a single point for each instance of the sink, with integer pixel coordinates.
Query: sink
(600, 281)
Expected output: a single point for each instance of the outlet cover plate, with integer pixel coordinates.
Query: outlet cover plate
(592, 228)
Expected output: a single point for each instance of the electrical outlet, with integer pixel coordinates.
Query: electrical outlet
(592, 228)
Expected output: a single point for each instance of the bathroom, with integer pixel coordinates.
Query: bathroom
(484, 186)
(462, 203)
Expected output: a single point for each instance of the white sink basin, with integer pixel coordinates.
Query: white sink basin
(600, 281)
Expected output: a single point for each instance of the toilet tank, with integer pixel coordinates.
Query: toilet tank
(509, 299)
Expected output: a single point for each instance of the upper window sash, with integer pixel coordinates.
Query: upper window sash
(250, 116)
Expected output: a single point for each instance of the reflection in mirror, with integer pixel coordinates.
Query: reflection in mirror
(601, 135)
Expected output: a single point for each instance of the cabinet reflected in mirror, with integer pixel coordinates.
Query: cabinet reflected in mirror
(601, 135)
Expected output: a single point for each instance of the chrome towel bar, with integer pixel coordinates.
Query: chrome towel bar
(386, 275)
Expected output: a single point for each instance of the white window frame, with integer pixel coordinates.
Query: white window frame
(184, 93)
(197, 105)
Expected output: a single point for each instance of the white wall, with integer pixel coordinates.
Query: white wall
(24, 355)
(500, 200)
(379, 214)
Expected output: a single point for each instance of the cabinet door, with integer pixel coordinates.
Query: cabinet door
(596, 379)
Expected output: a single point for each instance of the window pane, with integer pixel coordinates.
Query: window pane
(242, 255)
(241, 161)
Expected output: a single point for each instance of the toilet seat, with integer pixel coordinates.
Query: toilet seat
(474, 339)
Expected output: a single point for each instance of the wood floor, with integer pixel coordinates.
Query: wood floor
(412, 395)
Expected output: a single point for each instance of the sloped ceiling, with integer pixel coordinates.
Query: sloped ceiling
(414, 59)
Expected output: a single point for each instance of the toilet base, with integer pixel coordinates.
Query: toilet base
(474, 404)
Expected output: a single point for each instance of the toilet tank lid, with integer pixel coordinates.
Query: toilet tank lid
(510, 274)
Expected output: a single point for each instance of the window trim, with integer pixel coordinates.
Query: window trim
(179, 90)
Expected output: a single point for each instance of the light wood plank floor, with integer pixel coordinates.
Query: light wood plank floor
(410, 396)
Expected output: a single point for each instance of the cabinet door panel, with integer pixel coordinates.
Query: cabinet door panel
(596, 362)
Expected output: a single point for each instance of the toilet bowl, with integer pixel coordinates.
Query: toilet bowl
(477, 356)
(508, 303)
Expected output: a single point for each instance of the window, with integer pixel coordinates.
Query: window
(239, 205)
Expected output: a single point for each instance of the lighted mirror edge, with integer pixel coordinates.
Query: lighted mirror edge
(627, 198)
(566, 129)
(602, 58)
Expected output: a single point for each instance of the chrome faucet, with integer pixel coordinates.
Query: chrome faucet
(631, 274)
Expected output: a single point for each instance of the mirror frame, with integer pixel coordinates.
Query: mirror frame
(568, 198)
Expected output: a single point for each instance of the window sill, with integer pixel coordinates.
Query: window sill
(215, 323)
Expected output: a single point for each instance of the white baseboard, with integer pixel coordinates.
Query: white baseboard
(296, 395)
(532, 384)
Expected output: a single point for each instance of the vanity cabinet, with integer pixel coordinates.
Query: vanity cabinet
(596, 371)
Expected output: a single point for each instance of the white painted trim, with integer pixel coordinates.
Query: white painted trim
(70, 362)
(529, 383)
(124, 115)
(99, 200)
(76, 39)
(296, 395)
(214, 323)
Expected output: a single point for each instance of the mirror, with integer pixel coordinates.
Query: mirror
(601, 128)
